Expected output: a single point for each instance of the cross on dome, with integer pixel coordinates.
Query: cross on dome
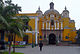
(39, 8)
(65, 8)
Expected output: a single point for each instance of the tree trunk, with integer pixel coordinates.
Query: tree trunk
(9, 34)
(10, 47)
(14, 44)
(2, 39)
(2, 35)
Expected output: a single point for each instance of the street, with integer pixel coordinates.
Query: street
(51, 49)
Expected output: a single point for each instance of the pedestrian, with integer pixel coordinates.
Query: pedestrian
(40, 45)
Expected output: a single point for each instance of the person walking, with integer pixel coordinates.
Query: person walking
(40, 45)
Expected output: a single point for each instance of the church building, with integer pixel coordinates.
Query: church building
(50, 27)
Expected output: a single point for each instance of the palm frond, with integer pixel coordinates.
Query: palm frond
(21, 33)
(3, 20)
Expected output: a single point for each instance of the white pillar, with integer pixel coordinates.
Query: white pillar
(36, 20)
(58, 25)
(43, 26)
(46, 25)
(55, 25)
(49, 25)
(61, 25)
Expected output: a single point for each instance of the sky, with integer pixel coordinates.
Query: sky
(31, 6)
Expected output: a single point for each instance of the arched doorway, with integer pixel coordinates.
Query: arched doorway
(52, 39)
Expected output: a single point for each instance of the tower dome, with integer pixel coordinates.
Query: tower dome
(39, 12)
(51, 9)
(65, 13)
(66, 10)
(51, 5)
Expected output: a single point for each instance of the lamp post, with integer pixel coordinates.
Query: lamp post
(38, 37)
(32, 39)
(36, 30)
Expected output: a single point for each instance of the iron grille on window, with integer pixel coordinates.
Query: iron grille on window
(52, 22)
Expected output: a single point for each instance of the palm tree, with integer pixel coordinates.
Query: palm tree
(18, 27)
(16, 24)
(3, 23)
(8, 23)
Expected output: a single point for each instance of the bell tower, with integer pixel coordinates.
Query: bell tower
(65, 13)
(51, 5)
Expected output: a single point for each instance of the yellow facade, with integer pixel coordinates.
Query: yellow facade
(51, 22)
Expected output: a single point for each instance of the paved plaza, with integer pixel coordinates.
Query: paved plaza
(51, 49)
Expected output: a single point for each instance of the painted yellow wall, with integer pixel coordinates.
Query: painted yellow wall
(66, 23)
(17, 38)
(30, 37)
(66, 32)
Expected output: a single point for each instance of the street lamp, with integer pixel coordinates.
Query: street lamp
(38, 37)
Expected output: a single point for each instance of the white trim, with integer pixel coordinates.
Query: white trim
(30, 17)
(55, 25)
(49, 25)
(43, 25)
(29, 31)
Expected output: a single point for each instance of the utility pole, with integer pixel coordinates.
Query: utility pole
(36, 30)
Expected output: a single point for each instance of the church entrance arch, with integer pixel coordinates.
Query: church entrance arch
(52, 38)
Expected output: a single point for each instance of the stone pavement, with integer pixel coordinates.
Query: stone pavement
(51, 49)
